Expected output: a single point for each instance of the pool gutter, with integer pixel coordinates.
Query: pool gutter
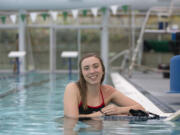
(131, 91)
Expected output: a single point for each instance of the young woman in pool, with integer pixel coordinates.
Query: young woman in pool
(90, 98)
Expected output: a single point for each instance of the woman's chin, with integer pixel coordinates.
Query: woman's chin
(93, 82)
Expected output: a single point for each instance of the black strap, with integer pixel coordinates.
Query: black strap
(153, 116)
(141, 113)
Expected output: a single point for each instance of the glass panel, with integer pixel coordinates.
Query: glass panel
(118, 41)
(90, 41)
(8, 43)
(66, 40)
(40, 47)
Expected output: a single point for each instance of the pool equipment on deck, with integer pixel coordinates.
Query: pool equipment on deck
(175, 74)
(69, 55)
(17, 55)
(138, 115)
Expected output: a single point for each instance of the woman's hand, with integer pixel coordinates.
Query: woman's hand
(97, 114)
(112, 110)
(92, 115)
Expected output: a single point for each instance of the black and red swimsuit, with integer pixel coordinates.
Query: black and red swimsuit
(91, 109)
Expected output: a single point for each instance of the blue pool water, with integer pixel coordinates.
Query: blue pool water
(32, 104)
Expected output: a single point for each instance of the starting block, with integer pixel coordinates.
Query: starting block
(17, 55)
(69, 55)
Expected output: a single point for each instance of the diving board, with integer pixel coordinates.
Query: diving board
(129, 90)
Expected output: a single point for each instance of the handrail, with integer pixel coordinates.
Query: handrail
(118, 55)
(124, 53)
(139, 41)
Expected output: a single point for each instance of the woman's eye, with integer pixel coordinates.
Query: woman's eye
(96, 66)
(86, 68)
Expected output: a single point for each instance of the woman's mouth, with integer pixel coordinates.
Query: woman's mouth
(93, 77)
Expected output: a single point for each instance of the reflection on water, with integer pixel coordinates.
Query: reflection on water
(103, 127)
(75, 126)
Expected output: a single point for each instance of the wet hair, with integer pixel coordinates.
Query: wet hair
(82, 82)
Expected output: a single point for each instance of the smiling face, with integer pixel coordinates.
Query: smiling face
(92, 70)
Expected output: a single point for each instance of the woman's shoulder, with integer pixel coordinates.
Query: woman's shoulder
(108, 89)
(72, 86)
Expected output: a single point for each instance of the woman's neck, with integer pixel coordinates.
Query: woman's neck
(93, 89)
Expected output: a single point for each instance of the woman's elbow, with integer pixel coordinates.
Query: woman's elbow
(140, 107)
(70, 114)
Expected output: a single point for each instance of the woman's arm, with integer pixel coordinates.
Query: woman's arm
(94, 114)
(69, 125)
(124, 104)
(71, 101)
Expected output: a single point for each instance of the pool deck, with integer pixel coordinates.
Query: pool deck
(149, 89)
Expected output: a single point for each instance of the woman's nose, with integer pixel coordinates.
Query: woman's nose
(92, 70)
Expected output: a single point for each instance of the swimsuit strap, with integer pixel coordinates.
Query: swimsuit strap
(102, 96)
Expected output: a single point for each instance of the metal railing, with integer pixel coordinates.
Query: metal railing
(124, 54)
(164, 11)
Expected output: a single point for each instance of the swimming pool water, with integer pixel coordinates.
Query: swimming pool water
(32, 104)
